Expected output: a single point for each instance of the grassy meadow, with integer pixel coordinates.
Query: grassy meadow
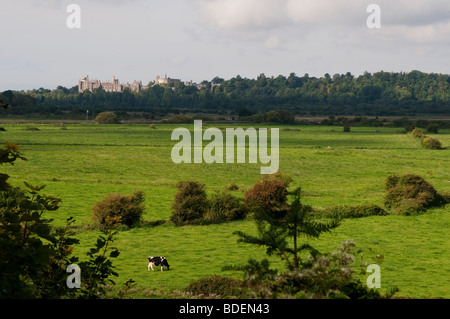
(85, 162)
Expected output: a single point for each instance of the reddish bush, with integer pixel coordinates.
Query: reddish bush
(269, 194)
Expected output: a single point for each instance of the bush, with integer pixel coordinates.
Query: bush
(269, 193)
(107, 118)
(232, 187)
(286, 179)
(445, 197)
(433, 128)
(215, 285)
(116, 210)
(410, 194)
(180, 119)
(323, 276)
(327, 276)
(225, 207)
(190, 203)
(417, 132)
(357, 211)
(347, 128)
(431, 143)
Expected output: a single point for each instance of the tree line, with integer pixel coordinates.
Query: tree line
(380, 93)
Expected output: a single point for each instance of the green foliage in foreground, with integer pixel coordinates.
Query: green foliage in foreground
(319, 276)
(213, 286)
(35, 255)
(323, 276)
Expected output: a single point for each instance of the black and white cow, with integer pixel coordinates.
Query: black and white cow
(157, 261)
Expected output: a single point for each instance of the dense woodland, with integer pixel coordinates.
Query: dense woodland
(377, 94)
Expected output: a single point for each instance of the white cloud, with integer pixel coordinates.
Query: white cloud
(422, 34)
(414, 12)
(229, 14)
(325, 11)
(247, 14)
(402, 20)
(254, 14)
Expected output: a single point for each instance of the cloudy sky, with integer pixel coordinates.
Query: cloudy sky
(200, 39)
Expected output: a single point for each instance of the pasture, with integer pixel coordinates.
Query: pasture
(85, 162)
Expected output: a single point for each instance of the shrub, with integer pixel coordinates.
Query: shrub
(225, 207)
(431, 143)
(232, 187)
(445, 197)
(409, 194)
(215, 285)
(433, 128)
(107, 118)
(117, 209)
(286, 179)
(346, 127)
(269, 193)
(327, 276)
(345, 211)
(323, 276)
(417, 132)
(180, 119)
(190, 203)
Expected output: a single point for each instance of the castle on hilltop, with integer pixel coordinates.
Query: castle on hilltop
(165, 80)
(109, 86)
(136, 86)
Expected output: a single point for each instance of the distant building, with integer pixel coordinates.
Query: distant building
(165, 80)
(136, 86)
(109, 86)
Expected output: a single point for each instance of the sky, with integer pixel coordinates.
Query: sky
(196, 40)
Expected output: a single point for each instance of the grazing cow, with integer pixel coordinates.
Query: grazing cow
(157, 261)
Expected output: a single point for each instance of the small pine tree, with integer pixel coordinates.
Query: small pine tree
(276, 231)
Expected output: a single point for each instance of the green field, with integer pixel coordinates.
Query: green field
(86, 162)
